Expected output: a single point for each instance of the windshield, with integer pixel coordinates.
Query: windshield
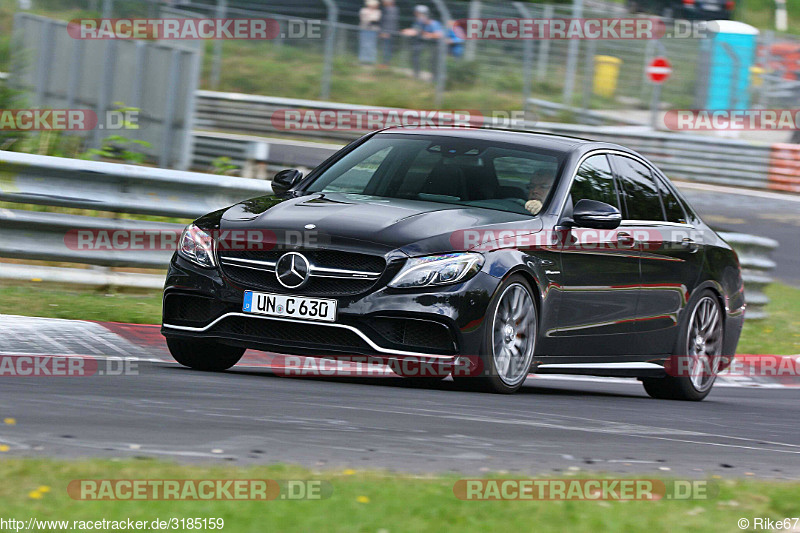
(469, 172)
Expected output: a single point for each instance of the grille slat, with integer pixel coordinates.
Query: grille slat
(265, 330)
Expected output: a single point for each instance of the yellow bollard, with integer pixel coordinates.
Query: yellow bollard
(755, 76)
(606, 73)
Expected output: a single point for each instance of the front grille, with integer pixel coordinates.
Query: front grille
(294, 333)
(265, 279)
(414, 333)
(190, 310)
(318, 257)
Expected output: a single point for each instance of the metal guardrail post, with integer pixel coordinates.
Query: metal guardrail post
(755, 258)
(216, 62)
(527, 56)
(573, 50)
(471, 45)
(544, 48)
(441, 48)
(330, 41)
(588, 76)
(768, 40)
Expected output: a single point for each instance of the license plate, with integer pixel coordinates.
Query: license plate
(263, 303)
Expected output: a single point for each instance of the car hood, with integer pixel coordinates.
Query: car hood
(370, 224)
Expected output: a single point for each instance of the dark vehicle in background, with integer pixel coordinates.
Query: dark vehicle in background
(685, 9)
(517, 252)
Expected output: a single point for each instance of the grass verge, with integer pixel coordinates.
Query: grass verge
(373, 501)
(59, 301)
(779, 334)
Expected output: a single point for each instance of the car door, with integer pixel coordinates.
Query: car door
(599, 273)
(671, 252)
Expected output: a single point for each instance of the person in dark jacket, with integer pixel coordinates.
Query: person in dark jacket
(425, 32)
(390, 24)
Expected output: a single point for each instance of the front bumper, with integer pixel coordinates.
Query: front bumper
(388, 323)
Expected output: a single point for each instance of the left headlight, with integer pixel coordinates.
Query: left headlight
(437, 270)
(197, 246)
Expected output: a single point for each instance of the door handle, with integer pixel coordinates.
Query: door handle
(625, 239)
(688, 242)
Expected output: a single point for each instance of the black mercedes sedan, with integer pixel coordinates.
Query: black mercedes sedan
(502, 253)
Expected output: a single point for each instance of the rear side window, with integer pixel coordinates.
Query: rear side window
(672, 207)
(640, 191)
(594, 181)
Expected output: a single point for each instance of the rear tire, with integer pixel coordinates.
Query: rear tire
(509, 340)
(204, 355)
(701, 341)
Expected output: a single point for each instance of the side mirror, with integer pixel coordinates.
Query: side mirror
(597, 215)
(285, 180)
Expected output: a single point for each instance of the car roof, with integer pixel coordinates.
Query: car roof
(533, 139)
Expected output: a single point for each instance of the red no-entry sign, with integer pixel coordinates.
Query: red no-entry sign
(659, 70)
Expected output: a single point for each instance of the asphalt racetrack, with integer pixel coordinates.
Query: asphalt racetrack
(250, 414)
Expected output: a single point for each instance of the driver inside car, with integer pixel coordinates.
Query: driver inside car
(538, 189)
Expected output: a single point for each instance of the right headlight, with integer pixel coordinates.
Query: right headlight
(197, 246)
(435, 270)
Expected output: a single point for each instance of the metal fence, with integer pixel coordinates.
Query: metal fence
(559, 70)
(156, 78)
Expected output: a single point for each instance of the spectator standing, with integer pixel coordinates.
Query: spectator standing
(425, 32)
(369, 25)
(455, 39)
(390, 24)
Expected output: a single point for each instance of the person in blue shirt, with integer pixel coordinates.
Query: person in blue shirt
(455, 39)
(426, 32)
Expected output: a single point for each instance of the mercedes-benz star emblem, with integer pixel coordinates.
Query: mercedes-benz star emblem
(292, 270)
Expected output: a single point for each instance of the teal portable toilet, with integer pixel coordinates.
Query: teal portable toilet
(730, 52)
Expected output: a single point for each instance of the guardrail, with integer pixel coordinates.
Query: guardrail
(755, 258)
(245, 149)
(699, 158)
(108, 187)
(59, 181)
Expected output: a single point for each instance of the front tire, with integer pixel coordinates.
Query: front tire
(204, 355)
(700, 342)
(509, 339)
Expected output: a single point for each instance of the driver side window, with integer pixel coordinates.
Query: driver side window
(594, 181)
